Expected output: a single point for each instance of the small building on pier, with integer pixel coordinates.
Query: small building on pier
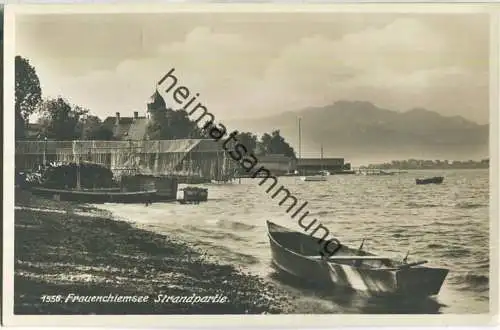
(278, 164)
(313, 165)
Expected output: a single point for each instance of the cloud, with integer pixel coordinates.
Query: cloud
(407, 63)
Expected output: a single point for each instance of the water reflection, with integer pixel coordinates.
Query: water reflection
(353, 302)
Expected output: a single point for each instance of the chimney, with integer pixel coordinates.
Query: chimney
(117, 118)
(136, 114)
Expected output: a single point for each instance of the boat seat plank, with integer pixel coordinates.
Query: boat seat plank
(354, 257)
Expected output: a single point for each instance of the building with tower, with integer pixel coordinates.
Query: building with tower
(135, 127)
(132, 151)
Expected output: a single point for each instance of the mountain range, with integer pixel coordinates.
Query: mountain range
(360, 131)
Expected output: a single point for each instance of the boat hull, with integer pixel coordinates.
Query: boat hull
(97, 196)
(314, 178)
(434, 180)
(415, 281)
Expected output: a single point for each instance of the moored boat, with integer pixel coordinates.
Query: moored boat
(298, 254)
(433, 180)
(95, 195)
(192, 195)
(314, 178)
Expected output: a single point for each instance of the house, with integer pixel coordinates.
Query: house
(135, 127)
(313, 165)
(278, 164)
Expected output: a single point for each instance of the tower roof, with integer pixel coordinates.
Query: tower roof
(156, 102)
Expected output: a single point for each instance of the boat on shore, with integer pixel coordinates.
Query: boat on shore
(298, 254)
(96, 195)
(93, 183)
(433, 180)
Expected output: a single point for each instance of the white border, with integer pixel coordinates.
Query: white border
(284, 320)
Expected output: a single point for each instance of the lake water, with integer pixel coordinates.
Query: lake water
(447, 224)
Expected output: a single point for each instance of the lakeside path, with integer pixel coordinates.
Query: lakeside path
(65, 248)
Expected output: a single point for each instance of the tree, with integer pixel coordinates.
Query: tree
(60, 121)
(19, 126)
(274, 143)
(172, 125)
(249, 140)
(28, 93)
(93, 129)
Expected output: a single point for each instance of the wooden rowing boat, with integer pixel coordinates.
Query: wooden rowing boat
(96, 195)
(433, 180)
(298, 254)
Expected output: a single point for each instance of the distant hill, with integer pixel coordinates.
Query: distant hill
(362, 131)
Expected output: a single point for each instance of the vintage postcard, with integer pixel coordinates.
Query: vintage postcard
(300, 165)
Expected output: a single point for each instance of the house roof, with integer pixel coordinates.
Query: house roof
(275, 158)
(128, 128)
(319, 161)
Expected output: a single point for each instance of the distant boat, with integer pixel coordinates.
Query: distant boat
(433, 180)
(322, 174)
(297, 254)
(375, 172)
(314, 178)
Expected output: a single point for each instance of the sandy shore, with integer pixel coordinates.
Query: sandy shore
(65, 248)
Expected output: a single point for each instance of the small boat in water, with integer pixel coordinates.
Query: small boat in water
(314, 178)
(298, 254)
(433, 180)
(192, 195)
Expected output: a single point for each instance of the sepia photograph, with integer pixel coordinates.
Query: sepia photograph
(250, 162)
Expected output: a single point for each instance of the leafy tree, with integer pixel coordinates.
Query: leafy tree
(19, 126)
(249, 140)
(274, 143)
(60, 121)
(93, 129)
(28, 93)
(172, 125)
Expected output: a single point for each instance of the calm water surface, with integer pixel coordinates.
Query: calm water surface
(447, 224)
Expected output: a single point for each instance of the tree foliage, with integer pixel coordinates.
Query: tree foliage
(61, 121)
(249, 140)
(28, 93)
(274, 143)
(172, 125)
(93, 129)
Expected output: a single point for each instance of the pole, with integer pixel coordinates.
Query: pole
(45, 152)
(300, 140)
(322, 165)
(78, 179)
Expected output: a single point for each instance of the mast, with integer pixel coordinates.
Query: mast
(300, 146)
(322, 167)
(300, 139)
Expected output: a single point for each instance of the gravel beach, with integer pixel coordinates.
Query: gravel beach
(64, 250)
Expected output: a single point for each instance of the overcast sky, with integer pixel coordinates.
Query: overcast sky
(259, 64)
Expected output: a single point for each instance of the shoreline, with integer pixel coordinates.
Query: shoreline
(64, 248)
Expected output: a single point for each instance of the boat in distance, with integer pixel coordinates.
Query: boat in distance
(433, 180)
(298, 254)
(314, 178)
